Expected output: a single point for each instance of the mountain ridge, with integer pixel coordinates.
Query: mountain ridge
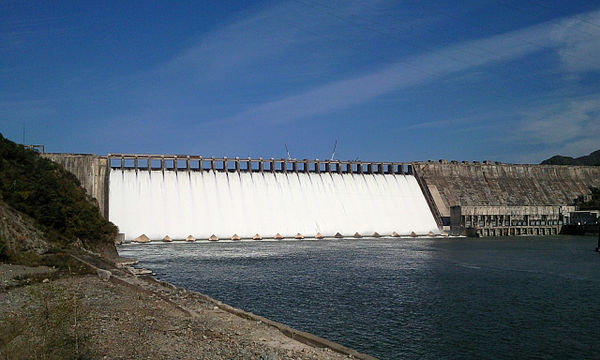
(593, 159)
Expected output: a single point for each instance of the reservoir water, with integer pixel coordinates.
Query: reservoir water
(460, 298)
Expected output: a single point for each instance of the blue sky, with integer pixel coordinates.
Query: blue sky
(505, 80)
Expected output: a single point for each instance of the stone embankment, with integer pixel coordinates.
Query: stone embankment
(122, 316)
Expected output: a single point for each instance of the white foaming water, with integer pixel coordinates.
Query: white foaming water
(204, 203)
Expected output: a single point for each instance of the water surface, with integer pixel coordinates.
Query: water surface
(494, 298)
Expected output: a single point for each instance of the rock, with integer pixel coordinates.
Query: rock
(141, 239)
(104, 275)
(269, 356)
(20, 232)
(134, 271)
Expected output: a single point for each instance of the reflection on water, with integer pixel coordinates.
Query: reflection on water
(523, 297)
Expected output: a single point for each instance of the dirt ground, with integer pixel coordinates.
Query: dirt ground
(93, 318)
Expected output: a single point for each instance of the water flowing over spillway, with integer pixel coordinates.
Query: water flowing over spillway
(203, 203)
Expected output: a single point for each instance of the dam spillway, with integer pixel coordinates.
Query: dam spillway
(223, 202)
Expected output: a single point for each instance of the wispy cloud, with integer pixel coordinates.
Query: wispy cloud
(569, 127)
(275, 32)
(261, 54)
(580, 42)
(418, 69)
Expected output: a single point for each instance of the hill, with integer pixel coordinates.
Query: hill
(592, 159)
(43, 197)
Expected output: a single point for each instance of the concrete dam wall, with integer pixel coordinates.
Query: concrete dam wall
(489, 198)
(493, 199)
(177, 195)
(493, 184)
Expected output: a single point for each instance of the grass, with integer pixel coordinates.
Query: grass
(47, 327)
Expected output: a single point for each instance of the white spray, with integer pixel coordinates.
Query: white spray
(203, 203)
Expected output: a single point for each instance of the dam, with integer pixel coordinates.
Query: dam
(235, 198)
(219, 198)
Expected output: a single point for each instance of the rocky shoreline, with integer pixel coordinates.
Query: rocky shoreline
(127, 316)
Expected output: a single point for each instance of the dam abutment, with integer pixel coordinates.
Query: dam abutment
(92, 171)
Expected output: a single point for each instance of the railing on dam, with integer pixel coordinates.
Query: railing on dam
(143, 162)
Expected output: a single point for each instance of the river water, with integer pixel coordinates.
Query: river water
(461, 298)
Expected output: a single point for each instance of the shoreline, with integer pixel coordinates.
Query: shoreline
(118, 315)
(150, 286)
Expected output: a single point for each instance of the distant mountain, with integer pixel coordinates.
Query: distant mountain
(592, 159)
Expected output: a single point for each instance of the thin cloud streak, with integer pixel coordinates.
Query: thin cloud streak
(573, 121)
(410, 72)
(262, 35)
